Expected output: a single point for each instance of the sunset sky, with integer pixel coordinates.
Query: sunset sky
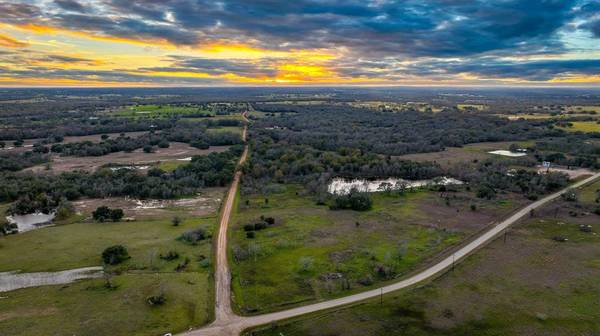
(299, 42)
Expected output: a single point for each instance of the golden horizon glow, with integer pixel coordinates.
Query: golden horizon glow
(153, 62)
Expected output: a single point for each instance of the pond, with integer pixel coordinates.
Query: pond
(341, 186)
(31, 221)
(508, 153)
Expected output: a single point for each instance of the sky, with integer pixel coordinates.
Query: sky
(299, 42)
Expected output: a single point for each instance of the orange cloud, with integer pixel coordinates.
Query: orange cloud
(9, 42)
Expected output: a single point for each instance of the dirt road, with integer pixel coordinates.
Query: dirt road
(223, 311)
(228, 324)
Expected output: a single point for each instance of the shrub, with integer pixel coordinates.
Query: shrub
(249, 227)
(570, 195)
(163, 144)
(270, 220)
(171, 255)
(354, 200)
(116, 214)
(176, 221)
(305, 264)
(104, 213)
(148, 149)
(64, 210)
(193, 236)
(115, 255)
(250, 234)
(157, 300)
(260, 226)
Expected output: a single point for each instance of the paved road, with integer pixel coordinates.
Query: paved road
(228, 324)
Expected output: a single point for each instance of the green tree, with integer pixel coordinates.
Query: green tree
(114, 255)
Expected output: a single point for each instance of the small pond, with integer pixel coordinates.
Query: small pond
(341, 186)
(31, 221)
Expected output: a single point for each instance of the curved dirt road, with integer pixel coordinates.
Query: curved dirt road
(228, 324)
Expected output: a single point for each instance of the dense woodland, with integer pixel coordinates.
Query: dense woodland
(331, 127)
(215, 169)
(311, 144)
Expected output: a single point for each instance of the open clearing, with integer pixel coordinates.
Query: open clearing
(468, 153)
(528, 284)
(312, 253)
(176, 150)
(205, 203)
(27, 144)
(584, 126)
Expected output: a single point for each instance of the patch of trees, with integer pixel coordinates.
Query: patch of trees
(276, 160)
(196, 137)
(115, 255)
(579, 150)
(354, 200)
(11, 161)
(104, 213)
(194, 236)
(215, 169)
(489, 178)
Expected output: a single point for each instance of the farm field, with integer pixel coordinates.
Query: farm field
(28, 143)
(176, 151)
(468, 153)
(88, 307)
(584, 126)
(157, 111)
(312, 253)
(528, 284)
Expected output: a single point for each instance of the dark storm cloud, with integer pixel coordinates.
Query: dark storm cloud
(18, 13)
(240, 67)
(104, 76)
(541, 70)
(437, 28)
(70, 5)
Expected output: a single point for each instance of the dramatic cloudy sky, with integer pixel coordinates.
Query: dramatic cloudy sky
(285, 42)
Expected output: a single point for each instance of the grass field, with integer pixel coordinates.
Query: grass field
(584, 126)
(468, 153)
(87, 307)
(157, 111)
(479, 107)
(312, 253)
(528, 285)
(581, 108)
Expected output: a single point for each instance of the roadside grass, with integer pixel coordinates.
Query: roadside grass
(89, 308)
(590, 193)
(584, 126)
(313, 253)
(526, 285)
